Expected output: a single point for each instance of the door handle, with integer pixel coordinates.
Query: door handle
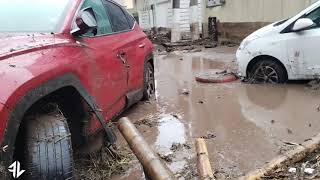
(122, 57)
(142, 45)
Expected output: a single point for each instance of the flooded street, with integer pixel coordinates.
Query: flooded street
(245, 125)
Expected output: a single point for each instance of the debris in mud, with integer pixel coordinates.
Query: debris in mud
(175, 116)
(12, 65)
(292, 170)
(216, 76)
(146, 122)
(188, 172)
(290, 143)
(2, 168)
(12, 50)
(102, 165)
(318, 108)
(178, 146)
(289, 131)
(314, 84)
(308, 168)
(189, 46)
(185, 92)
(272, 121)
(166, 157)
(200, 102)
(306, 155)
(209, 135)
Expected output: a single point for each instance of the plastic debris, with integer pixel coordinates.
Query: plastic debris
(292, 170)
(309, 171)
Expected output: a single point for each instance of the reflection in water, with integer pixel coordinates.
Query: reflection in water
(171, 130)
(267, 96)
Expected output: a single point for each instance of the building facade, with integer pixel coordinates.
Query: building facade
(161, 14)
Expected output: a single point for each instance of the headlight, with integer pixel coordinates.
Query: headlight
(247, 41)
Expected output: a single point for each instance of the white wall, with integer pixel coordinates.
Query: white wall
(257, 10)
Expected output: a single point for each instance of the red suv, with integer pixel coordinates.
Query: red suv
(67, 67)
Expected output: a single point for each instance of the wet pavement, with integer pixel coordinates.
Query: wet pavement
(248, 123)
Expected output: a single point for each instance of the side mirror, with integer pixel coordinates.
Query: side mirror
(86, 22)
(302, 24)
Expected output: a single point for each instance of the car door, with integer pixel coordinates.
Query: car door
(131, 43)
(302, 47)
(108, 72)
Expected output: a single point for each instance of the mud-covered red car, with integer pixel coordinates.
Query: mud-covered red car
(67, 67)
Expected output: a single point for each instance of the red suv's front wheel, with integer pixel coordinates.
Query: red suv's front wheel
(48, 153)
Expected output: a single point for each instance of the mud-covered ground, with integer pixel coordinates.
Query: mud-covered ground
(245, 125)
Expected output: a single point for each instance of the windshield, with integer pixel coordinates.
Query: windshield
(32, 15)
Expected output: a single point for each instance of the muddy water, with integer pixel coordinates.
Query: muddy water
(250, 122)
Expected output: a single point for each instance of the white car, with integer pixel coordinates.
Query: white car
(285, 50)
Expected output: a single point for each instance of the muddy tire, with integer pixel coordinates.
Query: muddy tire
(267, 71)
(148, 82)
(48, 148)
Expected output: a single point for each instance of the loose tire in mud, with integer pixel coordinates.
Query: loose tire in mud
(215, 76)
(148, 82)
(48, 148)
(267, 71)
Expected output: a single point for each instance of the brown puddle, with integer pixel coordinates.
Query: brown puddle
(250, 122)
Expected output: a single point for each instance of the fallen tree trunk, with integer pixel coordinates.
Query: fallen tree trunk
(290, 157)
(203, 162)
(152, 165)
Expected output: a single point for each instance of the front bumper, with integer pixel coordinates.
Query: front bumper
(243, 58)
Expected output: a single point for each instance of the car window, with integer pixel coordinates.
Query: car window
(130, 19)
(117, 17)
(104, 25)
(315, 16)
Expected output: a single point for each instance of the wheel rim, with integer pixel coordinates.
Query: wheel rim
(265, 73)
(150, 82)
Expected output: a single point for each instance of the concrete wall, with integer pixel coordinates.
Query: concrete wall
(244, 16)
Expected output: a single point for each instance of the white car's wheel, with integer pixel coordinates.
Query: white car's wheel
(267, 71)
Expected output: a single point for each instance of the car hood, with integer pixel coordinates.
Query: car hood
(265, 31)
(17, 44)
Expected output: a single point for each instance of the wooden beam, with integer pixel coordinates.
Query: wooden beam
(203, 162)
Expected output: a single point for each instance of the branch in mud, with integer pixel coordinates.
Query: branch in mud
(287, 159)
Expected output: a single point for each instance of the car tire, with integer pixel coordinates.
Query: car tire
(148, 82)
(267, 71)
(48, 148)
